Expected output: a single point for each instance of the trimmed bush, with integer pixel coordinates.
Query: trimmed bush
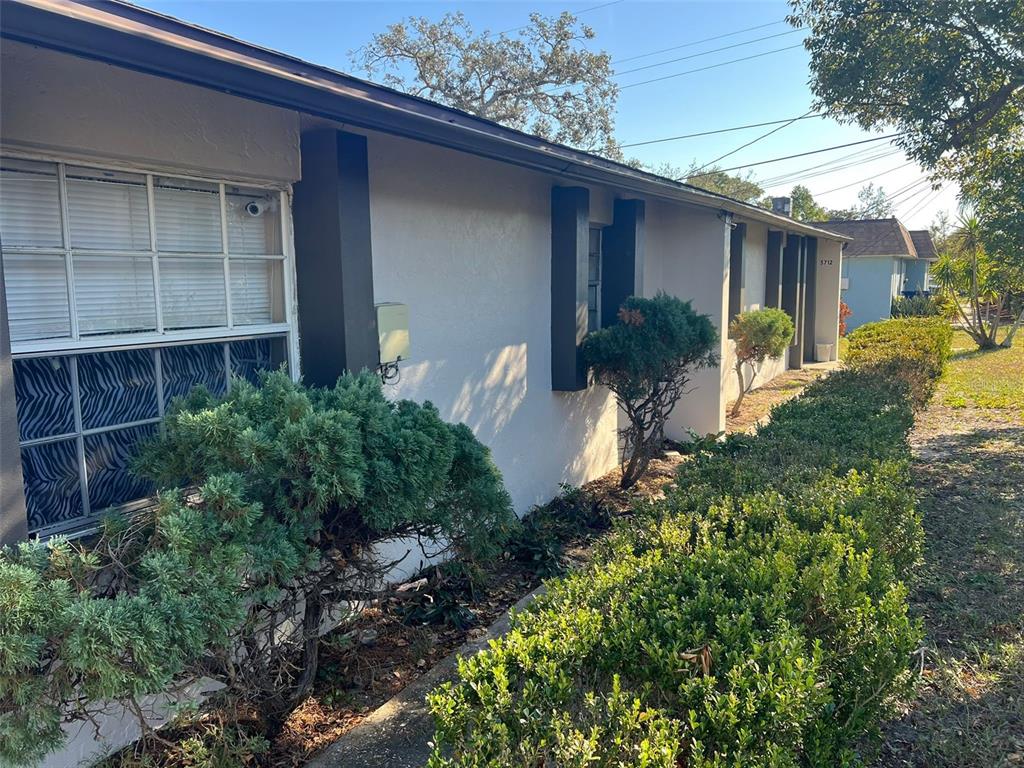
(914, 350)
(646, 360)
(758, 335)
(755, 616)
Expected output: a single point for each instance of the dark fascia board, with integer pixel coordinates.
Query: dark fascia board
(135, 38)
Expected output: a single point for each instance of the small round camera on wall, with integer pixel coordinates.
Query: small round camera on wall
(255, 208)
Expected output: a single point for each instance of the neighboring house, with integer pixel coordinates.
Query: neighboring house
(177, 207)
(885, 260)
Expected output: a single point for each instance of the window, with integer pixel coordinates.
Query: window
(91, 252)
(594, 280)
(124, 290)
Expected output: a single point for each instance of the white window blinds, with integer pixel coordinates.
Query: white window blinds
(93, 251)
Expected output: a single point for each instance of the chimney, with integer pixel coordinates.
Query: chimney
(783, 205)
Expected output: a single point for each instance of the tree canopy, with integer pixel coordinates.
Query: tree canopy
(543, 80)
(946, 73)
(714, 179)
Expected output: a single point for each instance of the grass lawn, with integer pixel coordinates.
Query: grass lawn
(991, 379)
(969, 592)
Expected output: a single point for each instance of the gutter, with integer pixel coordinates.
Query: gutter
(124, 35)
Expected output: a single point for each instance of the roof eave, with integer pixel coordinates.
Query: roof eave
(125, 35)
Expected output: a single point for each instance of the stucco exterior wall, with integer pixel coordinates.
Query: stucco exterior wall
(82, 109)
(917, 274)
(872, 284)
(466, 243)
(690, 250)
(826, 295)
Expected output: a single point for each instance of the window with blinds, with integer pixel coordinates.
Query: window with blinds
(90, 252)
(124, 290)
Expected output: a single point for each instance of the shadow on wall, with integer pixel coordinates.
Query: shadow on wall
(488, 403)
(538, 438)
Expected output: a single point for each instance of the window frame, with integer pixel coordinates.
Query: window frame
(77, 343)
(74, 346)
(599, 229)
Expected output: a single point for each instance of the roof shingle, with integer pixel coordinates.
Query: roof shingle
(923, 244)
(876, 237)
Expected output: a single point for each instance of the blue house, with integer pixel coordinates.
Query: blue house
(885, 260)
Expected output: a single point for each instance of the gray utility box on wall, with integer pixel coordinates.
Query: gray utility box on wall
(393, 332)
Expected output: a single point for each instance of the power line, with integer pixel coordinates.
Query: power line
(826, 169)
(710, 66)
(698, 42)
(811, 152)
(928, 200)
(752, 141)
(574, 13)
(705, 53)
(830, 166)
(719, 130)
(869, 178)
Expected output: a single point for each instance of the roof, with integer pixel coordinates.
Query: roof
(878, 237)
(923, 244)
(128, 36)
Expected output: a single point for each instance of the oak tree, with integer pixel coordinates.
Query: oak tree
(540, 78)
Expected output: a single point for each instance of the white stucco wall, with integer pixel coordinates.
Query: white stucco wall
(466, 243)
(688, 256)
(85, 109)
(755, 264)
(826, 295)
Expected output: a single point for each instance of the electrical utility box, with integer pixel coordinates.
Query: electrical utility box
(393, 332)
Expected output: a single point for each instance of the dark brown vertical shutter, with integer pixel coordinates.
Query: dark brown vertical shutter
(333, 257)
(570, 234)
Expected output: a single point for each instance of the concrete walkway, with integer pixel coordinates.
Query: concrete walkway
(398, 734)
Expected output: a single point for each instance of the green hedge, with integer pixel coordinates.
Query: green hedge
(754, 617)
(914, 349)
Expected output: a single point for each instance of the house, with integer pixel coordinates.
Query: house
(178, 207)
(885, 260)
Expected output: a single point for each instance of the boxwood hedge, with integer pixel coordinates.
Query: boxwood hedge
(756, 616)
(914, 349)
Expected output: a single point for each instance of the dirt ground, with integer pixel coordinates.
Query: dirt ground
(969, 592)
(757, 404)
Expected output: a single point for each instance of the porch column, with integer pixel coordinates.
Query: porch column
(737, 289)
(13, 517)
(773, 270)
(622, 258)
(792, 294)
(333, 257)
(570, 237)
(810, 297)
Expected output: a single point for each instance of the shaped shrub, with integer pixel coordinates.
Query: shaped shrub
(758, 335)
(646, 360)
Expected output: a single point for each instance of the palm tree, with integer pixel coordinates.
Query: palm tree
(967, 270)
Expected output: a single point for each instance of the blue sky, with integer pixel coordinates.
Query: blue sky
(769, 87)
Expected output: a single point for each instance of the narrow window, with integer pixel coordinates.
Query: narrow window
(594, 280)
